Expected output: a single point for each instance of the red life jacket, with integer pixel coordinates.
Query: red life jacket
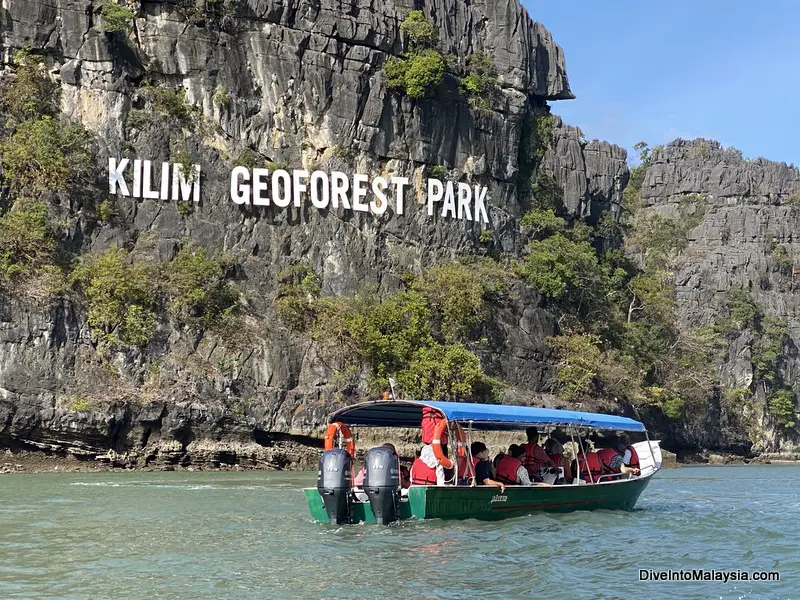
(634, 458)
(507, 470)
(606, 455)
(430, 419)
(422, 474)
(590, 464)
(534, 459)
(557, 459)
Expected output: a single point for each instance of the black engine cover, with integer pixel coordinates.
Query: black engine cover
(334, 480)
(382, 484)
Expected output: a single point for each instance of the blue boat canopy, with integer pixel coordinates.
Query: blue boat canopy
(494, 417)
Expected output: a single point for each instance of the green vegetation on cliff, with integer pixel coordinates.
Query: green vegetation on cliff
(419, 335)
(40, 152)
(479, 80)
(120, 295)
(127, 298)
(417, 74)
(31, 94)
(45, 154)
(766, 337)
(116, 17)
(197, 289)
(26, 241)
(619, 337)
(420, 70)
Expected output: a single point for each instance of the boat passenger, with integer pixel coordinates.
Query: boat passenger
(497, 460)
(630, 457)
(426, 469)
(511, 471)
(555, 451)
(590, 466)
(359, 479)
(483, 469)
(621, 459)
(534, 457)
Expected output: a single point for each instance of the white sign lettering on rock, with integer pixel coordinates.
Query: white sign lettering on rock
(282, 188)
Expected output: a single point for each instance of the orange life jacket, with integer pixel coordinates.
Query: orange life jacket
(507, 470)
(590, 465)
(430, 419)
(422, 474)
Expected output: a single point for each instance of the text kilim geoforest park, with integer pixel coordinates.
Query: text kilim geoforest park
(282, 188)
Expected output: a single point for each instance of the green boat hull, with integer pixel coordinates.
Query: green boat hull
(486, 503)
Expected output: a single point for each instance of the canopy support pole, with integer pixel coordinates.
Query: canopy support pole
(451, 445)
(652, 455)
(470, 467)
(580, 443)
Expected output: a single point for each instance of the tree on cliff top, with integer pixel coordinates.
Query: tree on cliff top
(420, 70)
(418, 30)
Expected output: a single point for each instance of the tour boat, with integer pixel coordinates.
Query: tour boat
(383, 500)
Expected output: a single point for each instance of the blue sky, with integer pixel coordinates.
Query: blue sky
(721, 69)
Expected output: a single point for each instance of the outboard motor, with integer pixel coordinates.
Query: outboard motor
(334, 480)
(382, 484)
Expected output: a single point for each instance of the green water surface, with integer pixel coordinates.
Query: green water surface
(249, 535)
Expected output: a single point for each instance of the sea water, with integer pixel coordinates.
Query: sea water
(249, 535)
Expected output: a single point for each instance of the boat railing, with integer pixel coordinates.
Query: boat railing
(612, 477)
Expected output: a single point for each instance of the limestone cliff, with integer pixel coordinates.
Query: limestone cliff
(301, 84)
(745, 241)
(296, 83)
